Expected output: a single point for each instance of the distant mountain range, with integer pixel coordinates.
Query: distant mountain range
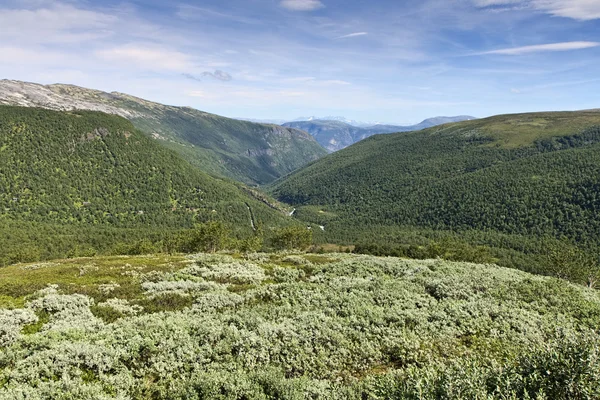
(248, 152)
(336, 134)
(313, 118)
(353, 122)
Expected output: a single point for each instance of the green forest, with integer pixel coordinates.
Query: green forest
(83, 182)
(244, 151)
(501, 182)
(127, 272)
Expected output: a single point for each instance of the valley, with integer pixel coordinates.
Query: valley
(129, 272)
(299, 200)
(498, 182)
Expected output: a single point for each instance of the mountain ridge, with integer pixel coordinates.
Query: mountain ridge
(248, 152)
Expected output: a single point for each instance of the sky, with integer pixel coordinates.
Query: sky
(389, 61)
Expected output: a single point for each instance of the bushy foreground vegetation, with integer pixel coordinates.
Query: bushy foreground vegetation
(293, 326)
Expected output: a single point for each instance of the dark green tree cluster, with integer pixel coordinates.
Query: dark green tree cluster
(80, 183)
(492, 185)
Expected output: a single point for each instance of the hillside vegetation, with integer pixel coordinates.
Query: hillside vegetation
(520, 176)
(277, 326)
(245, 151)
(92, 179)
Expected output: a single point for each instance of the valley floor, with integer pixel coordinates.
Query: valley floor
(293, 326)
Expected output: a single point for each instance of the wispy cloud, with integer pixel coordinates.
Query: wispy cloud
(190, 13)
(564, 46)
(55, 24)
(147, 57)
(191, 77)
(553, 85)
(302, 5)
(309, 80)
(583, 10)
(218, 75)
(351, 35)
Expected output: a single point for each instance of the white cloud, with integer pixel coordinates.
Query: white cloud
(60, 23)
(335, 82)
(151, 58)
(351, 35)
(302, 5)
(583, 10)
(309, 80)
(492, 3)
(576, 9)
(189, 12)
(564, 46)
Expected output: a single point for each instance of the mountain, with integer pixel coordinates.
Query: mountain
(529, 175)
(431, 122)
(263, 121)
(345, 120)
(81, 171)
(249, 152)
(335, 135)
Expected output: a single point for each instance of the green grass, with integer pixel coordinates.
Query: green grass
(83, 275)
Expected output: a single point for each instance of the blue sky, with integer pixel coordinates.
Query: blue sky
(391, 61)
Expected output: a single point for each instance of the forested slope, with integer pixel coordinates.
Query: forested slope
(528, 174)
(335, 135)
(244, 151)
(91, 170)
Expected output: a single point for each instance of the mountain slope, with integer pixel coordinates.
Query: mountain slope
(89, 169)
(248, 152)
(527, 174)
(335, 135)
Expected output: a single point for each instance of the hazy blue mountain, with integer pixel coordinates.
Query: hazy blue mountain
(335, 134)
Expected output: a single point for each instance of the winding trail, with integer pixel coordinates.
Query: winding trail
(252, 224)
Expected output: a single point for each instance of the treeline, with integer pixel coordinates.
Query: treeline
(28, 242)
(543, 256)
